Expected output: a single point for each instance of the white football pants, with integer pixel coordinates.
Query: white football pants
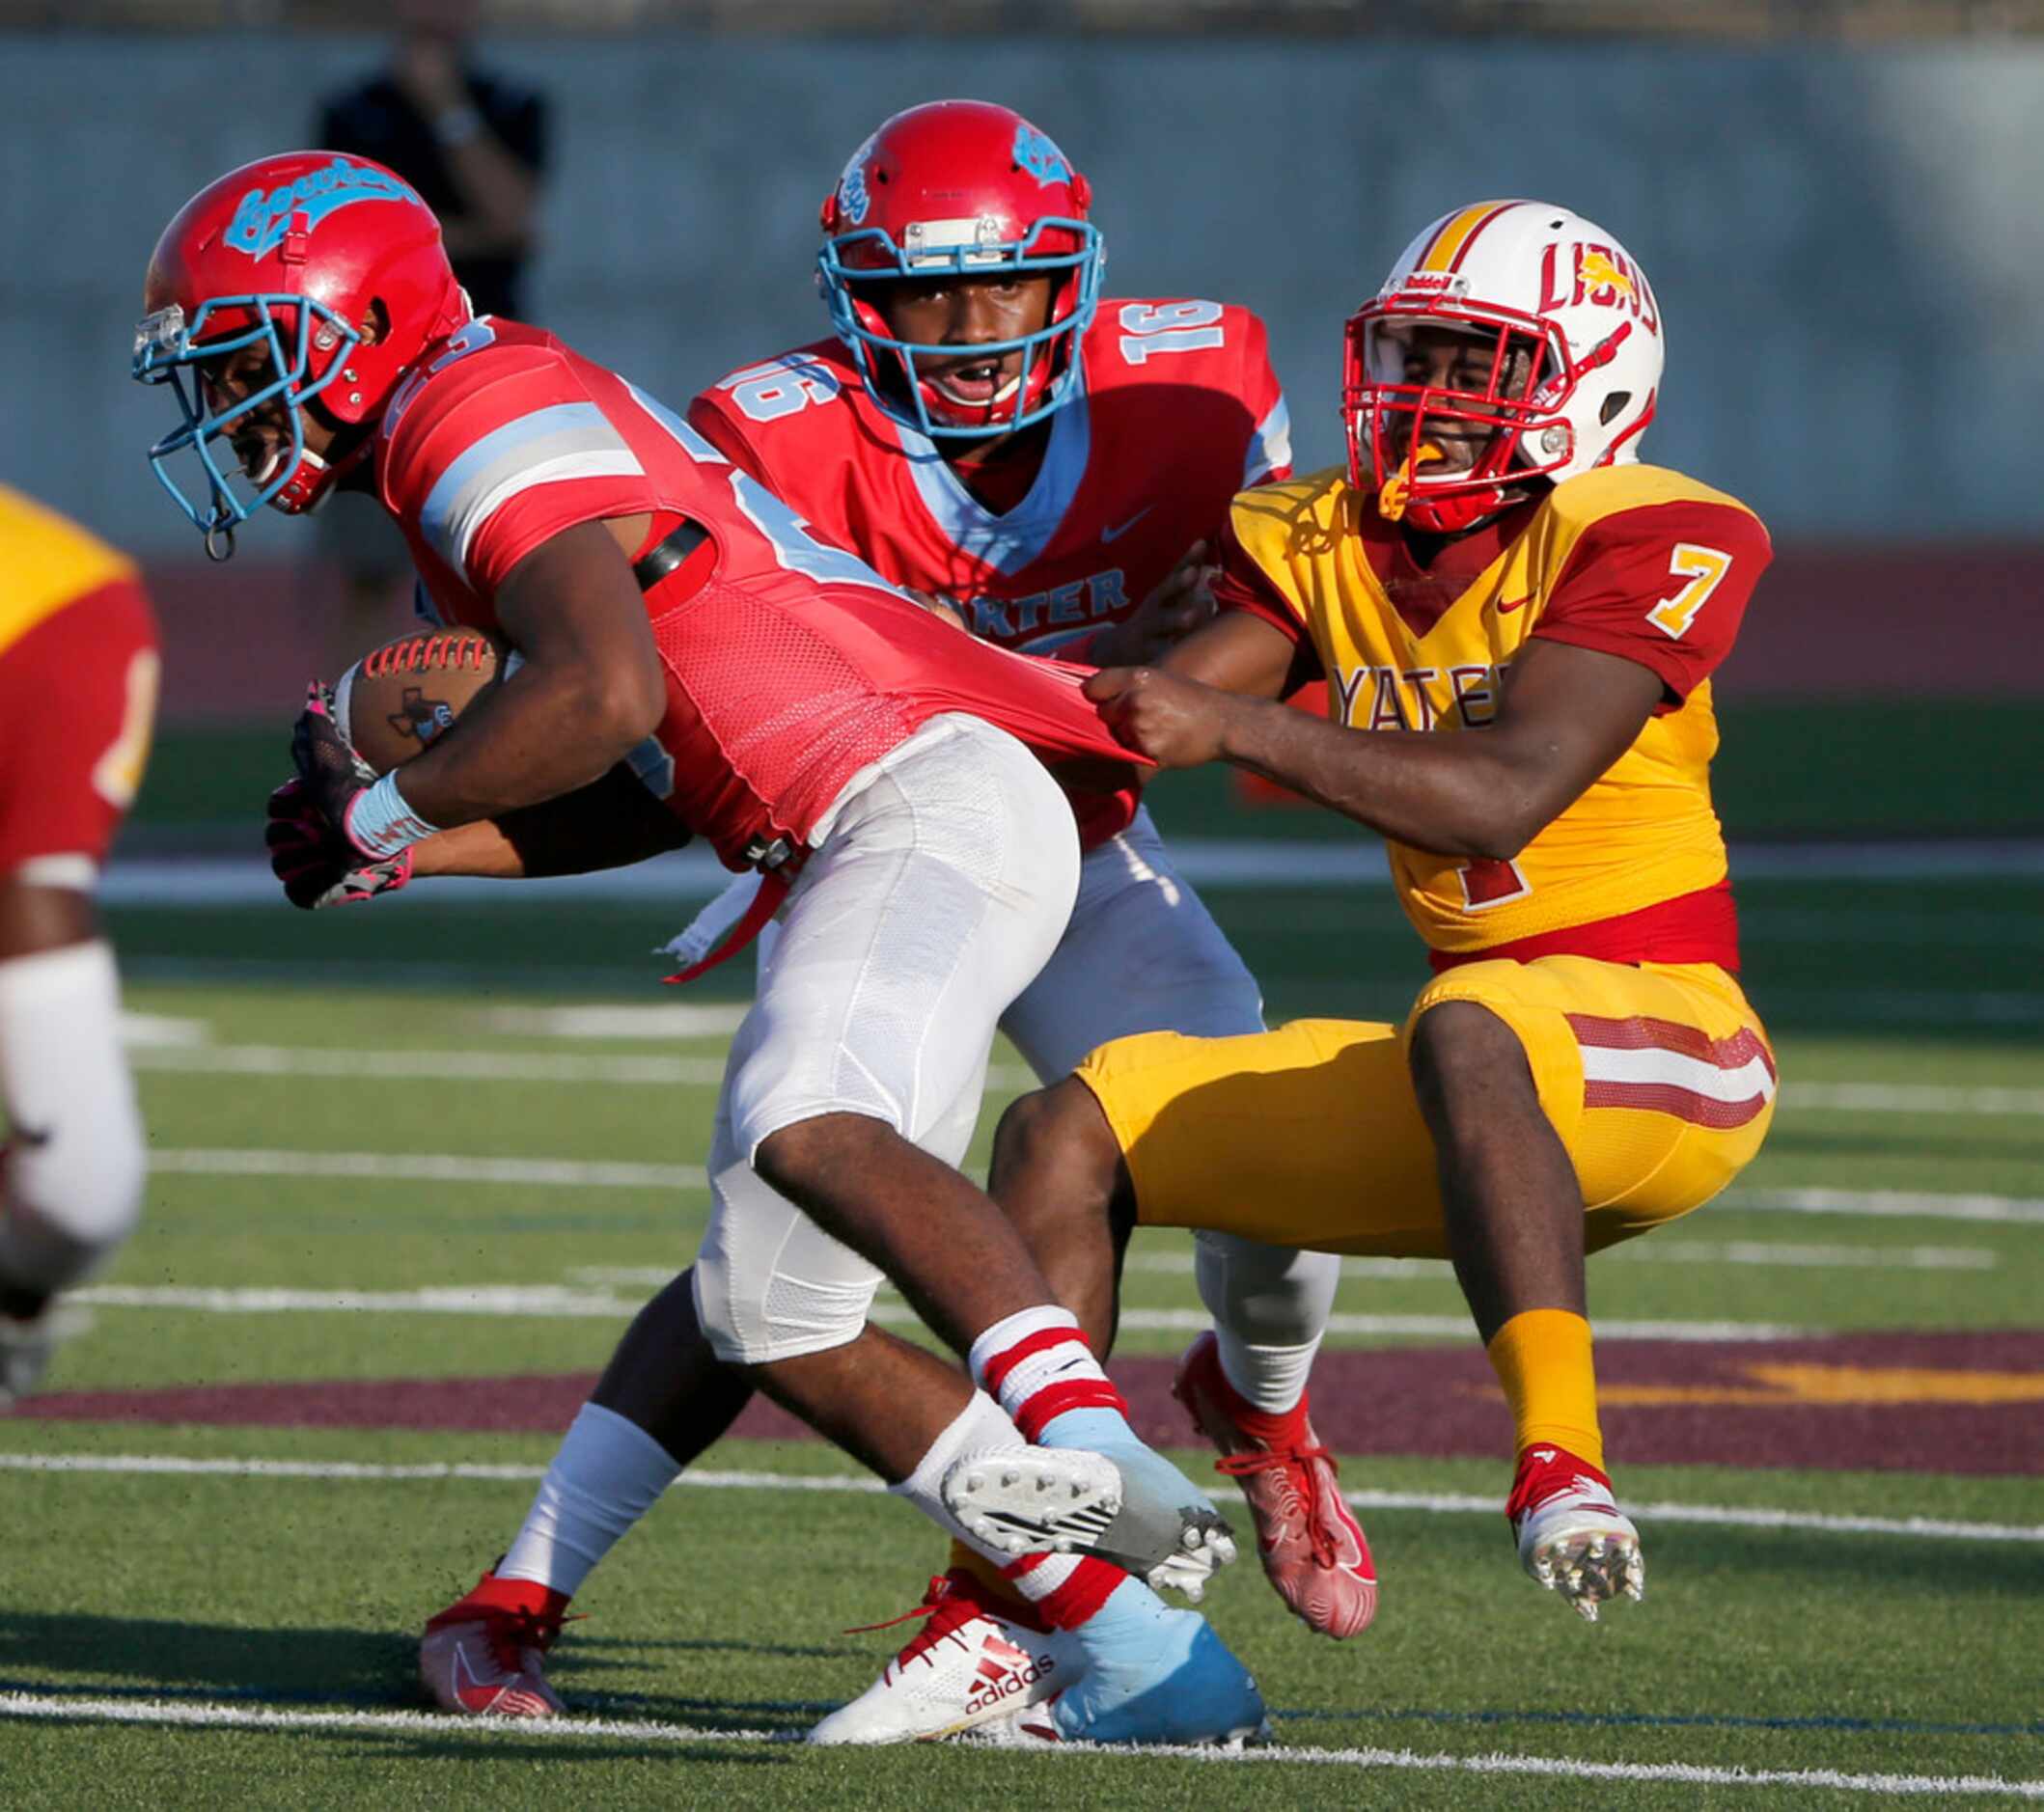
(939, 884)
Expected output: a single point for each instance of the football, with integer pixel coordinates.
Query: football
(400, 696)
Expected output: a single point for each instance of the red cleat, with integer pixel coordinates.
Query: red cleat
(1314, 1550)
(484, 1655)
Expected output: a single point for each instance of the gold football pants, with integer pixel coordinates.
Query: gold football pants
(1658, 1078)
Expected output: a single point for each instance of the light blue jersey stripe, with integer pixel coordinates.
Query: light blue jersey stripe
(1007, 543)
(1270, 447)
(567, 440)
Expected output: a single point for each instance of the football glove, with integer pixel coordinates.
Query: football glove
(333, 775)
(317, 866)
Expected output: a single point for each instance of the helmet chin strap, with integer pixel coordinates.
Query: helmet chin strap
(1464, 510)
(1449, 514)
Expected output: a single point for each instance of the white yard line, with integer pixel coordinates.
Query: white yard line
(670, 1019)
(1664, 1250)
(441, 1167)
(1911, 1098)
(1249, 863)
(1431, 1503)
(1889, 1204)
(187, 1053)
(569, 1730)
(425, 1167)
(553, 1301)
(414, 1065)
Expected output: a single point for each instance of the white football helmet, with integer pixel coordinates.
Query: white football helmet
(1570, 335)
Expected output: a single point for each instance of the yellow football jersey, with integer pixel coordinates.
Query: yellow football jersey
(1633, 560)
(49, 561)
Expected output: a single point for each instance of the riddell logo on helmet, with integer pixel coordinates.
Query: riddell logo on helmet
(261, 220)
(1599, 275)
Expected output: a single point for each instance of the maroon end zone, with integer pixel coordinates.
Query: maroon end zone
(1971, 1403)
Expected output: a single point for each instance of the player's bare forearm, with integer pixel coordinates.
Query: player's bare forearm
(591, 689)
(539, 735)
(1449, 794)
(1564, 715)
(611, 823)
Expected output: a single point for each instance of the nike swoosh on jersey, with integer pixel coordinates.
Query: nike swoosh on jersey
(31, 1137)
(1505, 606)
(1119, 529)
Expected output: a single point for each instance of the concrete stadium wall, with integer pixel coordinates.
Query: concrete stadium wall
(1845, 245)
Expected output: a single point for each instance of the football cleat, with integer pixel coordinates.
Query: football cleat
(1314, 1553)
(969, 1664)
(1150, 1522)
(483, 1656)
(1151, 1674)
(1573, 1538)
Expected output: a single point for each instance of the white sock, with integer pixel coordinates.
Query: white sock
(608, 1473)
(1066, 1589)
(1270, 1305)
(980, 1425)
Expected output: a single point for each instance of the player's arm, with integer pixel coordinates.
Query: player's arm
(1566, 714)
(1648, 607)
(590, 690)
(611, 823)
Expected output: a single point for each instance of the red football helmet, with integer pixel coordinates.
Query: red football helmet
(962, 187)
(292, 252)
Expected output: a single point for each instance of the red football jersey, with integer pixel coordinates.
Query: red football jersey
(793, 668)
(1178, 411)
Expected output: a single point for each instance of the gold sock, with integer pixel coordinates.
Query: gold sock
(1543, 1358)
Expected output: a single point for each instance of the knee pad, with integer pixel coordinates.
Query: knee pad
(771, 1285)
(70, 1189)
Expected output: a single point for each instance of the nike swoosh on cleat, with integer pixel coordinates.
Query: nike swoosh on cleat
(34, 1137)
(1119, 529)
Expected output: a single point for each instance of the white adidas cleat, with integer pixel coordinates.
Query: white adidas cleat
(1074, 1500)
(971, 1665)
(1573, 1538)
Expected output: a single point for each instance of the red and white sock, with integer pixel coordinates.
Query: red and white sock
(1066, 1589)
(1039, 1366)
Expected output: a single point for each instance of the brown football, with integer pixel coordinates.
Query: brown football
(397, 699)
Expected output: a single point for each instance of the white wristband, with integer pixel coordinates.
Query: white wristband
(380, 824)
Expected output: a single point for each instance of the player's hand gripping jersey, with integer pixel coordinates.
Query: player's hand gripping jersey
(1177, 410)
(78, 672)
(1632, 560)
(790, 665)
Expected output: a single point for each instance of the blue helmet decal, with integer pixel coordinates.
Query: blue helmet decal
(1037, 156)
(853, 201)
(264, 217)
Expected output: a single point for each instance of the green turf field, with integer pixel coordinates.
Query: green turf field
(213, 1612)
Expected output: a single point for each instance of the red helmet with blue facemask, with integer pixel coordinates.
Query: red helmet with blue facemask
(294, 255)
(960, 188)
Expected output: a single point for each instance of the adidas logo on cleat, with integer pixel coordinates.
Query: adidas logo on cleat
(1003, 1671)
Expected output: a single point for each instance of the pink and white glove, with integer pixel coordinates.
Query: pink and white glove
(317, 866)
(369, 814)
